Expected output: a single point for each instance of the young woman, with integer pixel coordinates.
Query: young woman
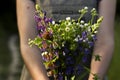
(60, 9)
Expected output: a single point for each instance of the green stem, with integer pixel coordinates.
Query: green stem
(92, 20)
(80, 17)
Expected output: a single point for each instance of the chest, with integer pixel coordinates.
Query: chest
(59, 9)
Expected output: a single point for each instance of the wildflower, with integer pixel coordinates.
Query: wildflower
(69, 23)
(44, 53)
(86, 51)
(44, 45)
(69, 70)
(66, 50)
(84, 34)
(45, 35)
(37, 18)
(80, 40)
(68, 18)
(91, 44)
(63, 53)
(84, 59)
(82, 22)
(79, 69)
(62, 43)
(95, 31)
(67, 29)
(86, 7)
(76, 39)
(60, 76)
(53, 22)
(94, 37)
(86, 24)
(89, 29)
(81, 26)
(78, 23)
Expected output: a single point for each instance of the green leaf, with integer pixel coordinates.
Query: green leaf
(95, 77)
(97, 57)
(73, 77)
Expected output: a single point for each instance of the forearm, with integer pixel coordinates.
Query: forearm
(26, 26)
(32, 59)
(100, 67)
(104, 46)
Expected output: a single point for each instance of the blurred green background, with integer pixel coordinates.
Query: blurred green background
(10, 58)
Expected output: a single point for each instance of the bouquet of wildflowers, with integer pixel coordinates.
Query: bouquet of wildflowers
(66, 46)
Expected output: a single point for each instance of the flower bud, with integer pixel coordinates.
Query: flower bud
(68, 18)
(37, 7)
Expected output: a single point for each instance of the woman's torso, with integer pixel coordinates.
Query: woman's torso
(60, 9)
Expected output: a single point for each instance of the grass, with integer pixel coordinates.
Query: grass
(5, 57)
(114, 70)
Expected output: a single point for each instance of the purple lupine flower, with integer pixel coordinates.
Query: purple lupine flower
(75, 53)
(50, 20)
(86, 51)
(66, 50)
(84, 59)
(51, 46)
(80, 48)
(84, 34)
(50, 33)
(91, 44)
(56, 53)
(80, 40)
(42, 49)
(37, 18)
(46, 19)
(44, 13)
(40, 35)
(79, 69)
(60, 76)
(94, 37)
(44, 58)
(69, 70)
(69, 60)
(44, 55)
(41, 28)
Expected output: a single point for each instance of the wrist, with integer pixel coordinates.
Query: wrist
(94, 76)
(41, 78)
